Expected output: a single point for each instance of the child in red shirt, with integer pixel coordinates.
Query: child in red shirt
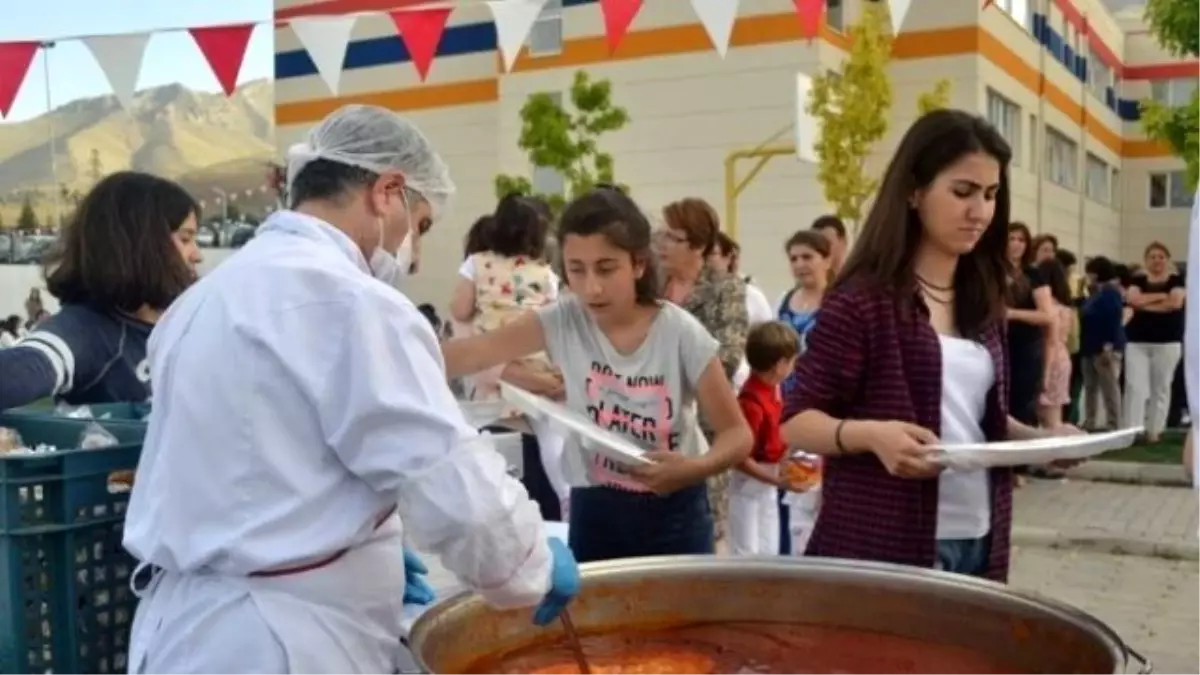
(753, 526)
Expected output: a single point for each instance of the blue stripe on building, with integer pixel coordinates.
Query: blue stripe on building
(474, 38)
(1127, 109)
(458, 40)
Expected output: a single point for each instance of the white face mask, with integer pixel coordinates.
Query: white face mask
(392, 268)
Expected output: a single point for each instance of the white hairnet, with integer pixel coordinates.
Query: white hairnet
(380, 141)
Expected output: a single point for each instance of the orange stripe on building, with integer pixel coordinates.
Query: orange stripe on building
(415, 98)
(748, 31)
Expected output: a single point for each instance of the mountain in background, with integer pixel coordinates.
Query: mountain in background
(200, 139)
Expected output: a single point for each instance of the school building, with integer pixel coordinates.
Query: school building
(1060, 78)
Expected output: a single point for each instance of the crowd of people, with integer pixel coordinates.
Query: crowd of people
(283, 472)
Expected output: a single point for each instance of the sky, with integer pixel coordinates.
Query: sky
(170, 56)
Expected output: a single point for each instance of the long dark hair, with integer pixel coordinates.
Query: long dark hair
(612, 214)
(1030, 249)
(1056, 278)
(885, 251)
(117, 252)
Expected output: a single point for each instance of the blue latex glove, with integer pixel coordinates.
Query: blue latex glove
(564, 583)
(417, 590)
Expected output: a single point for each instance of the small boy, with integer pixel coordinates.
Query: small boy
(771, 350)
(1102, 344)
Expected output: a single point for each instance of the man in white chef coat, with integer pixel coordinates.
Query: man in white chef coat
(302, 426)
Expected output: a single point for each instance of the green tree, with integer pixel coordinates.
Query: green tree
(1173, 23)
(28, 220)
(567, 138)
(935, 99)
(852, 106)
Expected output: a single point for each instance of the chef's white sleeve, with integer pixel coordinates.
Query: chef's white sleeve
(390, 416)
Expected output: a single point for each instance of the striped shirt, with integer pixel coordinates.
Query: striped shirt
(871, 357)
(79, 356)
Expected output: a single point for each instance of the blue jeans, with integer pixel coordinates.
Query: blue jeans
(607, 523)
(964, 556)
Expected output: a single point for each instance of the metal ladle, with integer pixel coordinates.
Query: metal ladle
(573, 641)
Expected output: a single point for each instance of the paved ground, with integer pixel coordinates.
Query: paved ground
(1083, 508)
(1151, 603)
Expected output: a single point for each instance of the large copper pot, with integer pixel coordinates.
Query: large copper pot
(1045, 636)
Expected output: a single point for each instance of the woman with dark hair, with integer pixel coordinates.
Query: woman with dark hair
(1044, 247)
(128, 252)
(496, 286)
(1155, 345)
(1056, 385)
(1030, 313)
(908, 352)
(635, 366)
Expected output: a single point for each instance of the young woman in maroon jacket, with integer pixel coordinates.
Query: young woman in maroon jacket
(909, 347)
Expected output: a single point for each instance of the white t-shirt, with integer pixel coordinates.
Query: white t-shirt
(467, 271)
(964, 497)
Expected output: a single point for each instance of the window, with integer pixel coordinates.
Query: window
(1062, 159)
(1100, 76)
(1169, 190)
(1116, 188)
(1017, 9)
(546, 180)
(1006, 117)
(546, 36)
(835, 14)
(1097, 186)
(1173, 92)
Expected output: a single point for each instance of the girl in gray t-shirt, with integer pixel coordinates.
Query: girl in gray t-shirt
(634, 365)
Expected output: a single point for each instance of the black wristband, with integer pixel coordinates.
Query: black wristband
(837, 437)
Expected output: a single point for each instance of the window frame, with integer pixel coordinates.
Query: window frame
(1055, 139)
(1103, 169)
(1013, 115)
(548, 23)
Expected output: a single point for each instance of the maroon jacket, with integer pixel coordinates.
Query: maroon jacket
(871, 357)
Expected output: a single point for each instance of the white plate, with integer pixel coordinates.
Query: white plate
(969, 456)
(607, 443)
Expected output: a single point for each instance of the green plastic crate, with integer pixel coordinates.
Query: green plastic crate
(132, 412)
(65, 602)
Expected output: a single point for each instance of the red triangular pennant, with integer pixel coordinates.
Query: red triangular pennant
(224, 47)
(421, 31)
(618, 15)
(15, 58)
(810, 12)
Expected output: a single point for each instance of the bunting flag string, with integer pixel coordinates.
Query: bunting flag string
(15, 59)
(120, 58)
(717, 17)
(326, 40)
(898, 10)
(224, 47)
(420, 26)
(618, 16)
(421, 30)
(810, 13)
(514, 20)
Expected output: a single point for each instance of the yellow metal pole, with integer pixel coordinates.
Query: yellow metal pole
(734, 188)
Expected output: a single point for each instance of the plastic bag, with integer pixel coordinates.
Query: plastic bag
(10, 440)
(82, 412)
(95, 437)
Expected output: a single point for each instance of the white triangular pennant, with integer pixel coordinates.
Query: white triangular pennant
(898, 10)
(326, 39)
(514, 19)
(717, 17)
(120, 58)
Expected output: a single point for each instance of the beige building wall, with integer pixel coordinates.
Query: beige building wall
(690, 109)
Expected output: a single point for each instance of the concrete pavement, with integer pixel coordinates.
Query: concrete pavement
(1108, 517)
(1150, 602)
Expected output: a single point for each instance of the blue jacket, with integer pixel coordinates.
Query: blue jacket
(1100, 320)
